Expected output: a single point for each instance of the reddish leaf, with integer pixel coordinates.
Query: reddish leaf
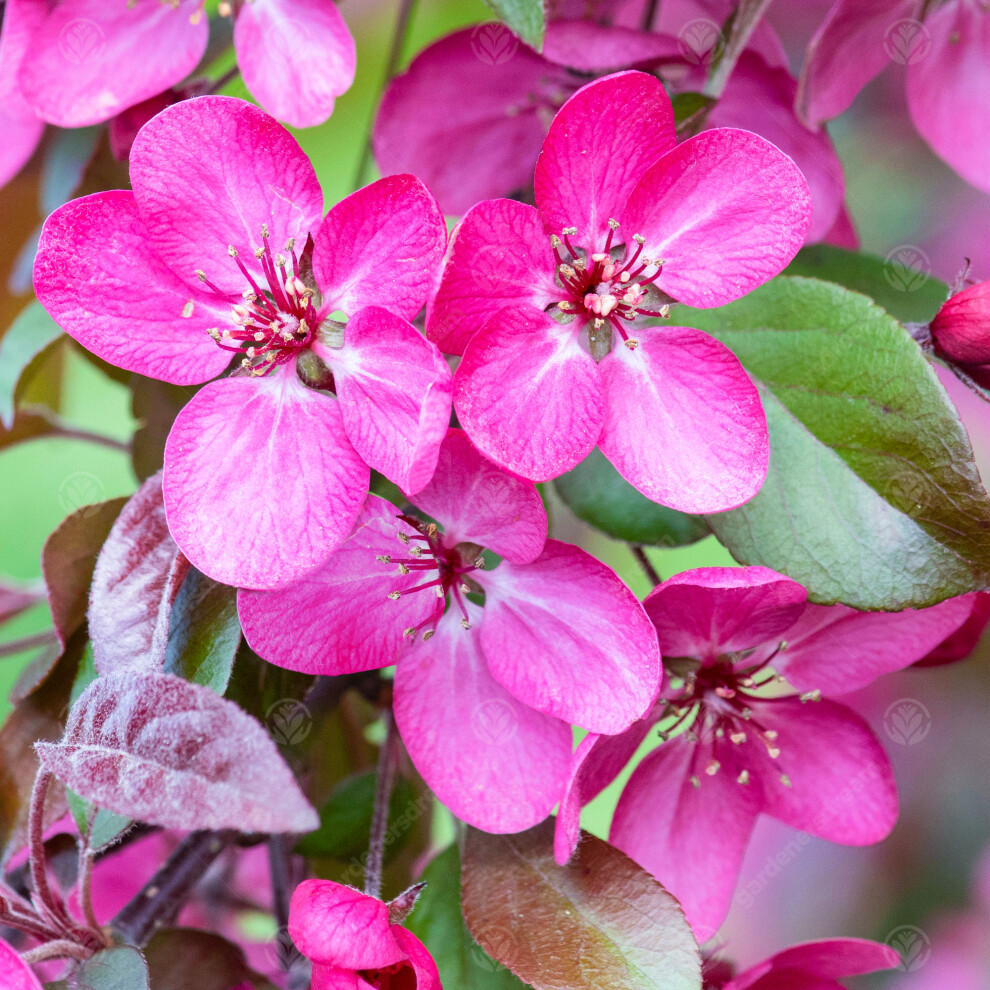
(600, 922)
(137, 577)
(68, 559)
(15, 598)
(157, 748)
(184, 957)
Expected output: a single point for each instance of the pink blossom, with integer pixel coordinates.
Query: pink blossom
(626, 218)
(469, 118)
(808, 966)
(352, 942)
(961, 331)
(265, 470)
(90, 59)
(737, 744)
(484, 696)
(946, 51)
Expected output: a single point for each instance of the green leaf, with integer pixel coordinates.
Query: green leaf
(107, 826)
(437, 920)
(873, 498)
(345, 820)
(687, 104)
(204, 632)
(25, 339)
(525, 17)
(595, 492)
(119, 968)
(908, 293)
(599, 923)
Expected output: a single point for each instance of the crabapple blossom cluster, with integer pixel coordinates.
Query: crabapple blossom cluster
(349, 591)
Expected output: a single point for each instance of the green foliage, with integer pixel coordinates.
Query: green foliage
(525, 17)
(30, 334)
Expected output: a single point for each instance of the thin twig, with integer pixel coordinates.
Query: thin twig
(747, 15)
(61, 428)
(47, 903)
(651, 572)
(384, 779)
(15, 646)
(402, 22)
(60, 949)
(163, 896)
(86, 888)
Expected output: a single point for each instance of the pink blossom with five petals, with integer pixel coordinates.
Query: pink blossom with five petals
(737, 739)
(483, 694)
(626, 218)
(265, 470)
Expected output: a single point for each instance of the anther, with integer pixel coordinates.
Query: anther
(264, 231)
(200, 274)
(815, 695)
(785, 780)
(383, 558)
(639, 239)
(738, 738)
(614, 224)
(569, 231)
(403, 569)
(465, 624)
(394, 595)
(713, 768)
(743, 778)
(564, 305)
(695, 782)
(555, 242)
(428, 634)
(632, 343)
(403, 538)
(231, 250)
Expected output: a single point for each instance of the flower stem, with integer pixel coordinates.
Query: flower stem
(385, 778)
(61, 428)
(651, 572)
(402, 21)
(16, 646)
(50, 906)
(747, 16)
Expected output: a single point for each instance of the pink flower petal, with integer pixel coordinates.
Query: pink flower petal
(91, 59)
(599, 144)
(948, 86)
(709, 611)
(761, 99)
(725, 210)
(339, 619)
(597, 761)
(208, 173)
(296, 57)
(339, 926)
(961, 643)
(837, 650)
(477, 502)
(565, 635)
(381, 246)
(828, 959)
(261, 483)
(499, 256)
(427, 977)
(21, 136)
(586, 46)
(692, 839)
(394, 388)
(469, 127)
(15, 974)
(528, 395)
(841, 784)
(19, 124)
(854, 43)
(496, 763)
(684, 423)
(98, 277)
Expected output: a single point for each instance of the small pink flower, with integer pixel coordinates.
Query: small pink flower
(209, 258)
(946, 51)
(808, 966)
(483, 695)
(961, 331)
(352, 942)
(626, 218)
(735, 744)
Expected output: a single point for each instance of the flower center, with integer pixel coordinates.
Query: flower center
(714, 700)
(609, 287)
(398, 976)
(275, 320)
(428, 553)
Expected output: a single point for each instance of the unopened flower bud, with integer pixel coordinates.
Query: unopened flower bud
(961, 328)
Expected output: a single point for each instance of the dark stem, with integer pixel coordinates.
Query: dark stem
(60, 428)
(747, 15)
(402, 22)
(217, 84)
(649, 15)
(283, 881)
(15, 646)
(385, 777)
(49, 905)
(157, 905)
(651, 572)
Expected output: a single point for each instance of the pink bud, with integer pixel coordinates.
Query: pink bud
(961, 328)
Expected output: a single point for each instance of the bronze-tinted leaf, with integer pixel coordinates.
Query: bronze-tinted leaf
(601, 922)
(181, 958)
